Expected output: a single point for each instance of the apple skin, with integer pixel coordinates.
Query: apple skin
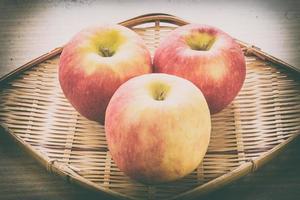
(157, 127)
(206, 56)
(95, 62)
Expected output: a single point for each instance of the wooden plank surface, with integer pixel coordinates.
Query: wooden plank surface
(29, 29)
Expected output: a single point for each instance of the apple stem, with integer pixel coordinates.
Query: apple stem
(105, 52)
(161, 96)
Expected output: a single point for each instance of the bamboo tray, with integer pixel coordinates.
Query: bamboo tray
(262, 120)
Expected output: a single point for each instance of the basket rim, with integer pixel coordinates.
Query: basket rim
(65, 171)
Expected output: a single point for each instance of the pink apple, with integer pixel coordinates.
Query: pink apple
(157, 127)
(96, 62)
(206, 56)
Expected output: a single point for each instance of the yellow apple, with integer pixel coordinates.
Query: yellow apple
(157, 127)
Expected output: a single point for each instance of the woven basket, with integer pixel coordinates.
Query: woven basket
(263, 118)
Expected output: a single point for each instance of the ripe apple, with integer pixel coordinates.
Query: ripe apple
(96, 62)
(206, 56)
(157, 127)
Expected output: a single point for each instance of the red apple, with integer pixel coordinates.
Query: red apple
(206, 56)
(157, 127)
(96, 62)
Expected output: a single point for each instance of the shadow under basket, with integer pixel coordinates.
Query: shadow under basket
(262, 120)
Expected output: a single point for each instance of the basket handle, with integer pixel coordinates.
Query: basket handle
(153, 17)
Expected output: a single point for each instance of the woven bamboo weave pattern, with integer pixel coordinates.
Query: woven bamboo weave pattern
(265, 113)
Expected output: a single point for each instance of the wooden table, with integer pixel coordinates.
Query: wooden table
(29, 29)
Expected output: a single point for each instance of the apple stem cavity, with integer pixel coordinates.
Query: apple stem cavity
(200, 41)
(159, 90)
(105, 52)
